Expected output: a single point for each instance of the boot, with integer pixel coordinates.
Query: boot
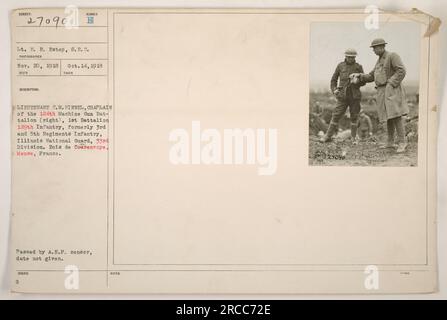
(400, 129)
(401, 147)
(354, 133)
(390, 131)
(329, 133)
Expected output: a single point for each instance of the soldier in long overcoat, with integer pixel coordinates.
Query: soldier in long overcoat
(388, 74)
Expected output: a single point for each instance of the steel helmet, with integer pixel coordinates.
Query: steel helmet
(350, 53)
(377, 42)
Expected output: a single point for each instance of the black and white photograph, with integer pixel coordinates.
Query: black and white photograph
(364, 94)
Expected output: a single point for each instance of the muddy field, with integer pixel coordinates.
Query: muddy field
(367, 153)
(341, 151)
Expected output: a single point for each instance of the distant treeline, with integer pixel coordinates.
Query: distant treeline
(367, 89)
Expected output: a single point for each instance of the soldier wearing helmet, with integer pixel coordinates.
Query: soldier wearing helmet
(388, 74)
(345, 85)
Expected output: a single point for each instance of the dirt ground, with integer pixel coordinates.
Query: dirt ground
(365, 153)
(341, 152)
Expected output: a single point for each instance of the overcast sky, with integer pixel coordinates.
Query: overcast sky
(330, 40)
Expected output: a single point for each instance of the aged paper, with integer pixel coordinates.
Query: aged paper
(223, 151)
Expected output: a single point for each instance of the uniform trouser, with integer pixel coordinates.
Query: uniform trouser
(342, 106)
(396, 125)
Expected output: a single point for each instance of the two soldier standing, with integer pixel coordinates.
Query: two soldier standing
(387, 74)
